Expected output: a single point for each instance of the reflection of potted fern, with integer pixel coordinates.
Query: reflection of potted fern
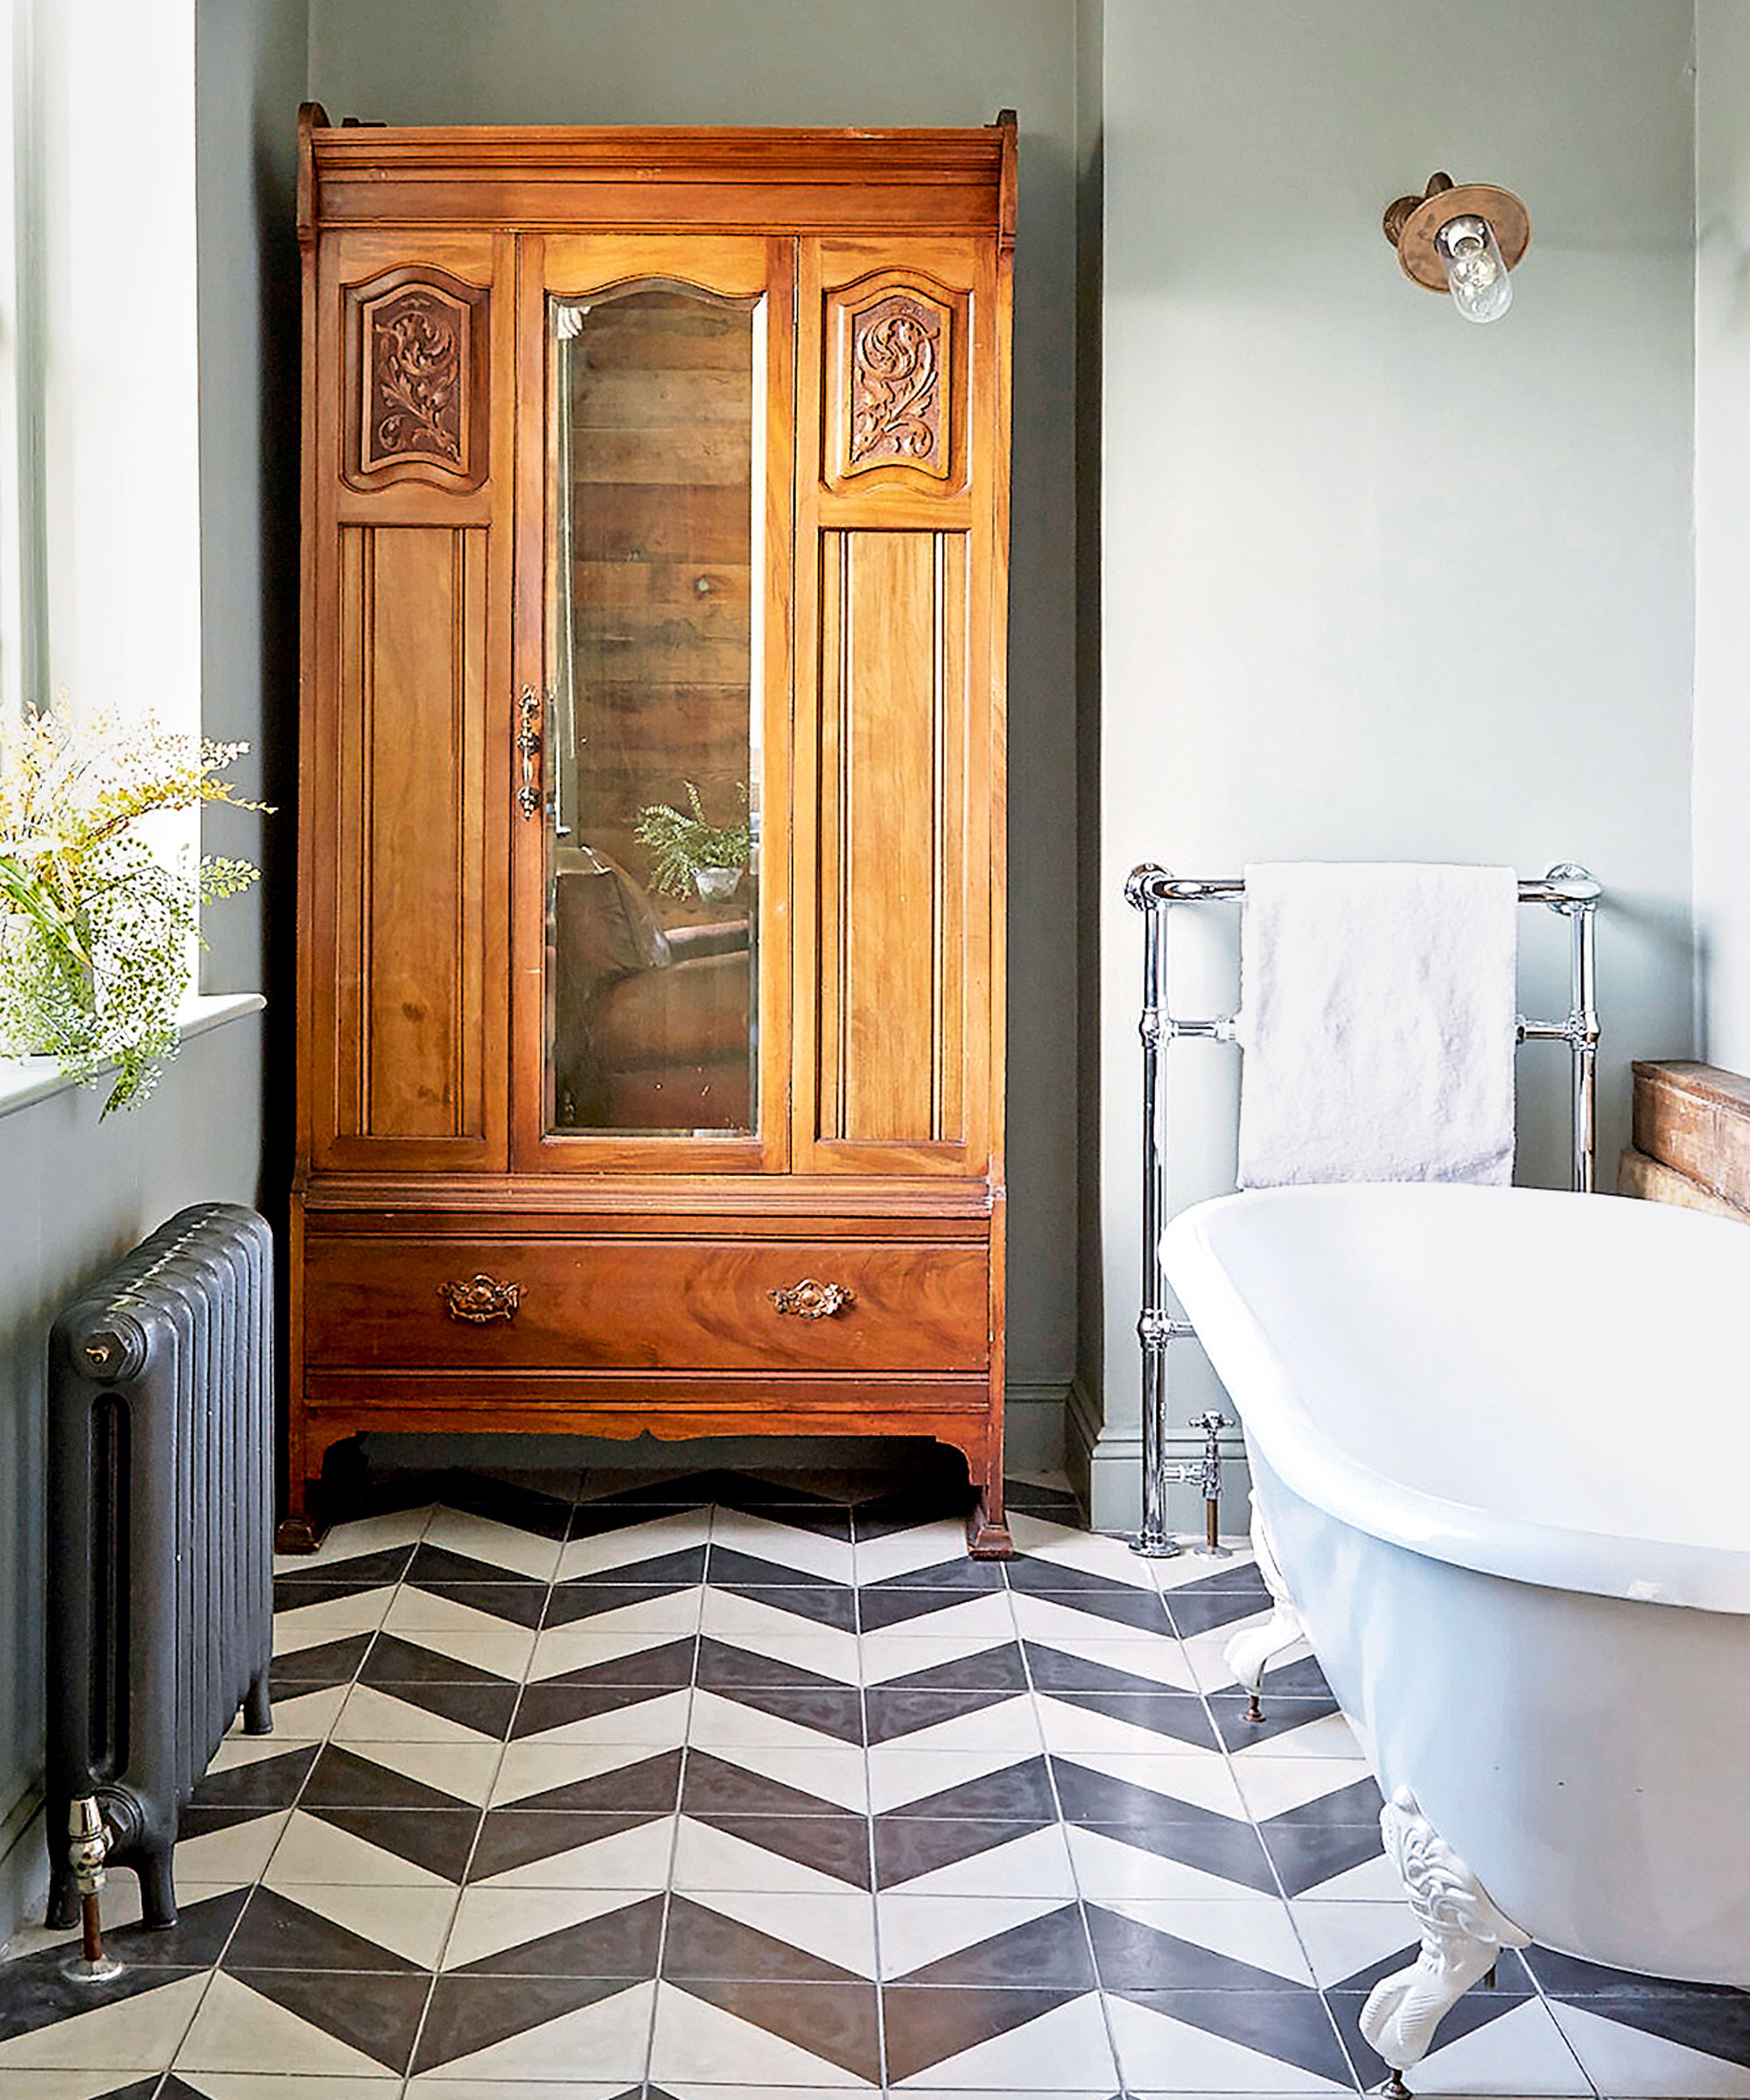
(690, 852)
(94, 931)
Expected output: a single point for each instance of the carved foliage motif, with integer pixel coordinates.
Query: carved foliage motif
(897, 354)
(417, 348)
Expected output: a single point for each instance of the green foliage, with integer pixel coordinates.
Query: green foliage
(680, 845)
(94, 931)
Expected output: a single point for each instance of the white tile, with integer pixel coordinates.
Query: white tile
(415, 1613)
(1086, 1552)
(780, 1636)
(611, 2036)
(899, 1775)
(1063, 2048)
(669, 1615)
(1521, 2056)
(831, 1771)
(722, 1725)
(1246, 1927)
(1328, 1736)
(491, 1919)
(638, 1859)
(536, 1767)
(707, 1858)
(1160, 2055)
(371, 1715)
(287, 2085)
(901, 1651)
(1059, 1622)
(1273, 1786)
(500, 1650)
(1181, 1570)
(314, 1851)
(1201, 1777)
(603, 1552)
(435, 2086)
(837, 1924)
(914, 1550)
(1009, 1728)
(302, 1716)
(348, 1542)
(1072, 1729)
(1343, 1938)
(235, 1753)
(1375, 1880)
(695, 2039)
(789, 1546)
(464, 1771)
(980, 1620)
(1036, 1864)
(1107, 1870)
(1628, 2064)
(658, 1724)
(410, 1920)
(138, 2034)
(331, 1618)
(503, 1546)
(237, 1853)
(917, 1930)
(1206, 1655)
(584, 1645)
(237, 2029)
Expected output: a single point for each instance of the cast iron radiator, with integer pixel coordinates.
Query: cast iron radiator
(160, 1482)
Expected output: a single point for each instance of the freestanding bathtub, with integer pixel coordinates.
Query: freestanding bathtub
(1500, 1442)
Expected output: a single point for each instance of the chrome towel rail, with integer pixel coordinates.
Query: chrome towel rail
(1567, 889)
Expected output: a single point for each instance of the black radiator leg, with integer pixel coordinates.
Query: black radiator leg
(62, 1910)
(157, 1886)
(257, 1712)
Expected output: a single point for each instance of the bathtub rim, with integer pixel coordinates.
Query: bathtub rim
(1667, 1571)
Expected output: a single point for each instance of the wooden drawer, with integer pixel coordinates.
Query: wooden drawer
(383, 1304)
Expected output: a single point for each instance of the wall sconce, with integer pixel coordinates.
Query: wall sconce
(1463, 239)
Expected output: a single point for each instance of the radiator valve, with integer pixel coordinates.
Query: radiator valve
(87, 1848)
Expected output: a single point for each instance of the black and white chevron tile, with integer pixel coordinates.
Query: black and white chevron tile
(723, 1786)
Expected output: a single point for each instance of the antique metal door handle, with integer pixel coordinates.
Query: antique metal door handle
(480, 1298)
(529, 750)
(812, 1300)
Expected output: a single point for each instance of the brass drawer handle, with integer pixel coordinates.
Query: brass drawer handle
(810, 1300)
(481, 1299)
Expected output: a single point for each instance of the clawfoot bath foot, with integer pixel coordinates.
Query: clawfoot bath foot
(1249, 1655)
(1462, 1936)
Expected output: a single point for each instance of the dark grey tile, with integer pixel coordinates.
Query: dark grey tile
(437, 1567)
(958, 1573)
(1712, 2017)
(195, 1941)
(472, 2012)
(1308, 1855)
(275, 1933)
(439, 1839)
(267, 1783)
(683, 1570)
(511, 1837)
(623, 1943)
(884, 1608)
(342, 1778)
(1131, 1956)
(555, 1704)
(1215, 1844)
(1054, 1671)
(835, 1844)
(702, 1942)
(359, 1572)
(1179, 1716)
(715, 1788)
(518, 1602)
(810, 1604)
(651, 1786)
(665, 1668)
(926, 2026)
(1282, 1715)
(1290, 2025)
(907, 1847)
(525, 1509)
(1049, 1952)
(729, 1568)
(486, 1708)
(998, 1668)
(377, 2013)
(1019, 1793)
(894, 1712)
(571, 1603)
(827, 1709)
(394, 1661)
(35, 1992)
(314, 1669)
(724, 1667)
(839, 2022)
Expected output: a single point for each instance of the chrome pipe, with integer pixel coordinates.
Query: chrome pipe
(1155, 1328)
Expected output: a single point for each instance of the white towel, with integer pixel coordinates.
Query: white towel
(1378, 1009)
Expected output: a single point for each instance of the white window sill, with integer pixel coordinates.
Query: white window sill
(24, 1080)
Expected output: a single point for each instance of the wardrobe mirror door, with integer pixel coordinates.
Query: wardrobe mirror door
(651, 760)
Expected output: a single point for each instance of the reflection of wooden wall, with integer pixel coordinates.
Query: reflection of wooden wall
(661, 428)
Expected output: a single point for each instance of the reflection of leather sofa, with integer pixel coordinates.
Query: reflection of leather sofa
(650, 1028)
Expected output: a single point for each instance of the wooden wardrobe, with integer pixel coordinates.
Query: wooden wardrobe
(651, 805)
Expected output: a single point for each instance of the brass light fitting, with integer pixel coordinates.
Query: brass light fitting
(1462, 238)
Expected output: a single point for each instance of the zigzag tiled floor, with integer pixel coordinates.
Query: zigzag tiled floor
(726, 1787)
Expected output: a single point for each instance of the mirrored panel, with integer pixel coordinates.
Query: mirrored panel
(653, 715)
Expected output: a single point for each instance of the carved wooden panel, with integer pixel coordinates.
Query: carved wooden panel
(890, 1015)
(413, 612)
(416, 361)
(896, 347)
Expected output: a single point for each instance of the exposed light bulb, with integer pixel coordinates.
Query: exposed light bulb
(1476, 276)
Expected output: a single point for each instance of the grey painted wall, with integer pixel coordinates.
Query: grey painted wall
(1722, 380)
(819, 62)
(74, 1197)
(1379, 585)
